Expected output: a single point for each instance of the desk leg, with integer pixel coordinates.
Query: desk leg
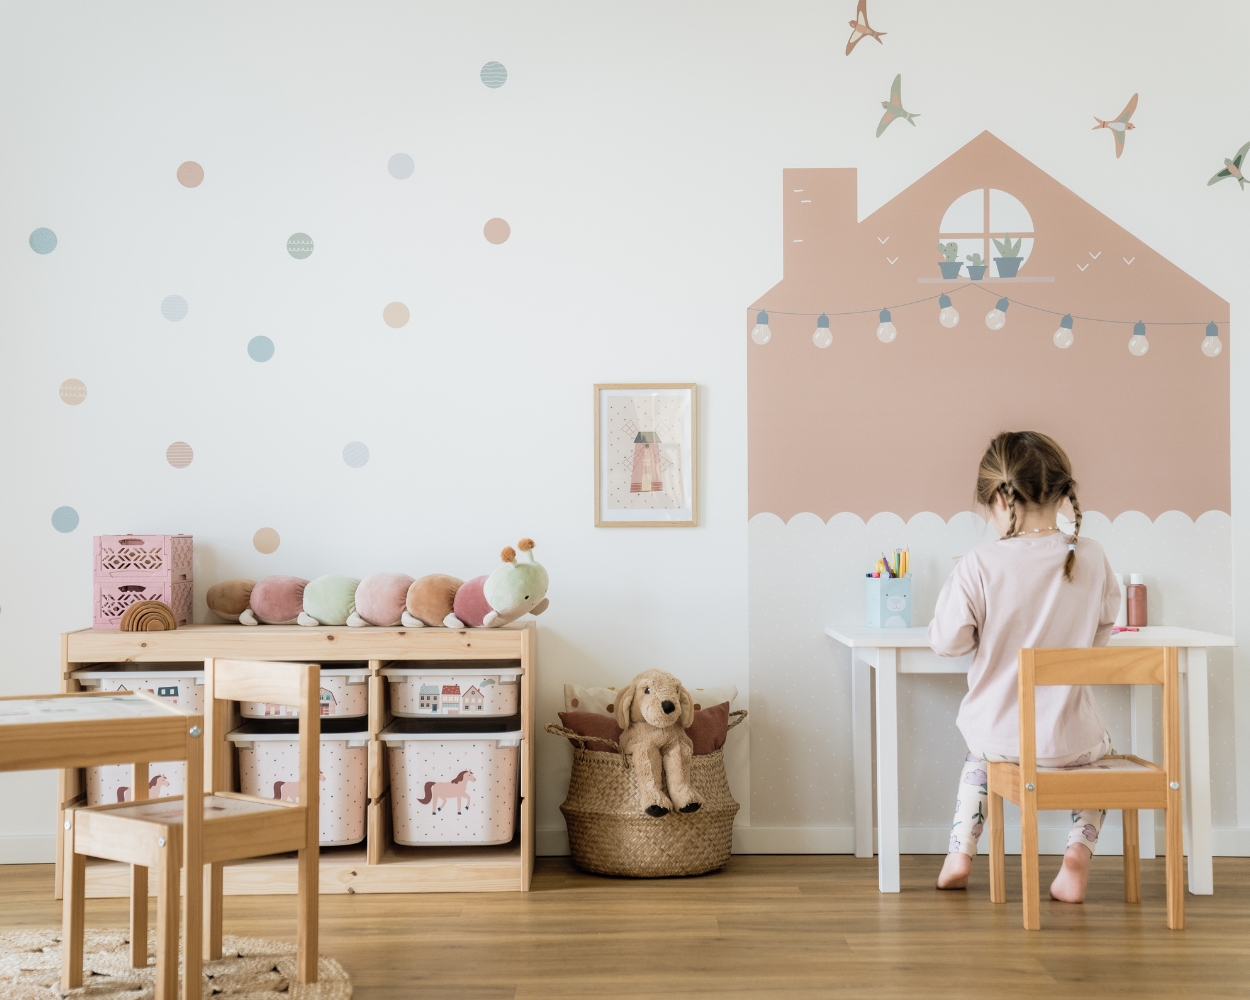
(1198, 776)
(1143, 746)
(887, 770)
(861, 753)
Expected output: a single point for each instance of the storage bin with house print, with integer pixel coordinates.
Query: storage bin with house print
(344, 695)
(458, 688)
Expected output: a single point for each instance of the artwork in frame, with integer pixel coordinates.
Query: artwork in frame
(646, 455)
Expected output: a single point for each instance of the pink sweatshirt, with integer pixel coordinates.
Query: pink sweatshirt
(1009, 595)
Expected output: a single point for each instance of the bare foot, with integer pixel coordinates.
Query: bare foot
(955, 871)
(1069, 885)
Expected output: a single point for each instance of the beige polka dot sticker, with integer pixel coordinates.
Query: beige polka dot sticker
(496, 231)
(72, 392)
(395, 315)
(179, 454)
(190, 174)
(266, 540)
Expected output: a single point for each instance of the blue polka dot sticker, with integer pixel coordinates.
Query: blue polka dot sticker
(355, 453)
(174, 308)
(494, 75)
(65, 519)
(401, 166)
(260, 348)
(299, 246)
(43, 240)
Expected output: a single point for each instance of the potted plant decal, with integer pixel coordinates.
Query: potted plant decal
(1010, 261)
(951, 265)
(976, 267)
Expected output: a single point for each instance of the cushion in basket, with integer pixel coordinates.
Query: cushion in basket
(707, 732)
(603, 700)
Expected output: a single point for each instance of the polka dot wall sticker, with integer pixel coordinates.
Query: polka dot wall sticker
(260, 348)
(43, 240)
(174, 308)
(190, 174)
(179, 454)
(299, 246)
(395, 315)
(72, 392)
(356, 454)
(400, 166)
(494, 75)
(496, 231)
(65, 519)
(266, 540)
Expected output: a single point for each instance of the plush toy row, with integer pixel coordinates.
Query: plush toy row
(516, 588)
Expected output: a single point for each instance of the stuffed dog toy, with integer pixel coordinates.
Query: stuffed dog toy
(654, 712)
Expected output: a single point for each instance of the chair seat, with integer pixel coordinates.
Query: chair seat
(1114, 782)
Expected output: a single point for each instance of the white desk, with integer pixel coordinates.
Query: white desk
(906, 651)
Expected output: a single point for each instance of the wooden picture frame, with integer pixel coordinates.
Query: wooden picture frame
(646, 476)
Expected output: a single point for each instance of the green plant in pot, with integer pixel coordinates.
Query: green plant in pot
(1010, 260)
(976, 266)
(951, 265)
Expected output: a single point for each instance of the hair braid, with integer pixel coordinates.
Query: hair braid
(1009, 492)
(1070, 562)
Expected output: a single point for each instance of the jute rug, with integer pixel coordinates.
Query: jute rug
(252, 969)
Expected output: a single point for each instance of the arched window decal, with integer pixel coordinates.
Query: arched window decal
(982, 215)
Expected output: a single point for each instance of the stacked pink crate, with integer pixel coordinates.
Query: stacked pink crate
(130, 568)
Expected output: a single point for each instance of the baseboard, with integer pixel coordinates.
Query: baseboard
(794, 840)
(33, 850)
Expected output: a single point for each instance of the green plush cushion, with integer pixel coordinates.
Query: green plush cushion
(331, 599)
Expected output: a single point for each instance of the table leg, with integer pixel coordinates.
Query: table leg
(1143, 745)
(1198, 775)
(861, 753)
(887, 770)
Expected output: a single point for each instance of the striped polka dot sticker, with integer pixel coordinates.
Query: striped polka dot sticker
(395, 315)
(190, 174)
(72, 392)
(496, 231)
(43, 240)
(356, 454)
(266, 540)
(260, 348)
(494, 75)
(65, 519)
(299, 246)
(174, 308)
(400, 166)
(179, 454)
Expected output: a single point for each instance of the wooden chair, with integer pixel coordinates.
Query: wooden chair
(1117, 781)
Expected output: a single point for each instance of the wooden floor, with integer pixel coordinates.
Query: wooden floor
(765, 927)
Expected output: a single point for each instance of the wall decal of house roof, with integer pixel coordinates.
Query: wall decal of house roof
(866, 426)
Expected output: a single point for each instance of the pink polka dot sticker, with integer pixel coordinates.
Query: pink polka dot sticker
(179, 454)
(496, 231)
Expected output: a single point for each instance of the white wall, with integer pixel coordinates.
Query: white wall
(636, 150)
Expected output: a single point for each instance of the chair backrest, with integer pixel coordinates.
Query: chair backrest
(1145, 665)
(292, 684)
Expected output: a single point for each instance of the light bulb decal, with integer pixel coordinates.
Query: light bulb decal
(1063, 336)
(761, 334)
(1211, 345)
(1138, 344)
(996, 318)
(822, 337)
(885, 329)
(948, 315)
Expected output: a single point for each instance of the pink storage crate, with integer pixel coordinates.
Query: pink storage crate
(162, 554)
(114, 594)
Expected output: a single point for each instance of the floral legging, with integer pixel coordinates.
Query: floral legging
(973, 795)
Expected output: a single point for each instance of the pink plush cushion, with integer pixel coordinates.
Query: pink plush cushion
(278, 600)
(471, 605)
(707, 732)
(380, 598)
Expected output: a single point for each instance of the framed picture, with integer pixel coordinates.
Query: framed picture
(646, 455)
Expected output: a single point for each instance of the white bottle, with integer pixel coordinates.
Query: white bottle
(1121, 618)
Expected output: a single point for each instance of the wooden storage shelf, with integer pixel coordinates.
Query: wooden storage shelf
(377, 864)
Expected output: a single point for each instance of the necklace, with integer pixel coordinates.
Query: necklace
(1017, 534)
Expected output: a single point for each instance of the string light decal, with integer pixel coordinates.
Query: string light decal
(822, 337)
(885, 330)
(949, 315)
(1211, 345)
(761, 334)
(1063, 336)
(1138, 344)
(996, 318)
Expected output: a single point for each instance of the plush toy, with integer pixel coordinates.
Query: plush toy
(329, 600)
(516, 588)
(654, 712)
(230, 599)
(381, 599)
(275, 600)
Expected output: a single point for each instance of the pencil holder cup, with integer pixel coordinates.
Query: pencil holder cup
(888, 602)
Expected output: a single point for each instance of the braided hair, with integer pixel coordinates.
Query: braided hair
(1028, 469)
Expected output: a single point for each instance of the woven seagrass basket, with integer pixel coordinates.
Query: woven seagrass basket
(610, 834)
